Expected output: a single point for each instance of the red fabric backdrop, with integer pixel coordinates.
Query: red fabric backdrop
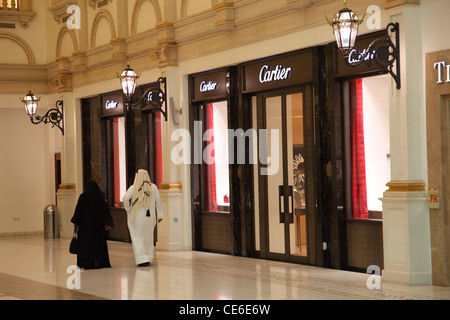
(359, 184)
(211, 194)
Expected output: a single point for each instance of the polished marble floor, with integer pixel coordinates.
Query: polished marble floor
(32, 268)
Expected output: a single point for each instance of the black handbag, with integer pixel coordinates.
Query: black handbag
(73, 248)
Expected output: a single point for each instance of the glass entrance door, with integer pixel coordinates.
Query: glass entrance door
(283, 214)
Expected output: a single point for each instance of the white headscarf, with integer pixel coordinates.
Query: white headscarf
(142, 193)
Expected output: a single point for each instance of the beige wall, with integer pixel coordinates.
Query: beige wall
(27, 162)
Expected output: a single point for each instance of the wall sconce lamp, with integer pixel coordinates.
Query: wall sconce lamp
(153, 99)
(53, 116)
(382, 52)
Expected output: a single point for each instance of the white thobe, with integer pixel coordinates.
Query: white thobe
(142, 227)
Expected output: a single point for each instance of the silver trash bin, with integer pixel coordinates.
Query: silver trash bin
(50, 222)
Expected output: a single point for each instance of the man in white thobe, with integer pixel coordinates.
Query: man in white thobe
(144, 208)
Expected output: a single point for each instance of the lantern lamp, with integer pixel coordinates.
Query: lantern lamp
(128, 79)
(153, 99)
(31, 103)
(345, 26)
(53, 116)
(382, 51)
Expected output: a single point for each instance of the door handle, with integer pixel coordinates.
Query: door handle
(281, 203)
(286, 204)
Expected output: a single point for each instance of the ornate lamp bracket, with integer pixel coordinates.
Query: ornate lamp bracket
(53, 116)
(153, 100)
(382, 52)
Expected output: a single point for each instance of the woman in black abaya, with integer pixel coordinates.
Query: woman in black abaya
(93, 219)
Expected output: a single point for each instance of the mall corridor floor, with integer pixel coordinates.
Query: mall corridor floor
(32, 268)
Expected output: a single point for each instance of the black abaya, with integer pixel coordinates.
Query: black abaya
(92, 216)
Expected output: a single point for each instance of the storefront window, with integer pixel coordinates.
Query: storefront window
(215, 157)
(119, 160)
(368, 145)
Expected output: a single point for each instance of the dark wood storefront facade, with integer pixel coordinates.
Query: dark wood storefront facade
(300, 213)
(100, 155)
(316, 230)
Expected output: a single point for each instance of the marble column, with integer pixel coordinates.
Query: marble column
(171, 230)
(406, 226)
(67, 192)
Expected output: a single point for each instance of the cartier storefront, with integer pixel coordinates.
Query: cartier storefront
(290, 157)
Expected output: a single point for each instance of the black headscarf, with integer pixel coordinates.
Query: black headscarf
(92, 188)
(92, 207)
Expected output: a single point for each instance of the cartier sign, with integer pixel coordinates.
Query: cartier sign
(355, 56)
(443, 71)
(269, 74)
(206, 86)
(209, 85)
(112, 104)
(280, 71)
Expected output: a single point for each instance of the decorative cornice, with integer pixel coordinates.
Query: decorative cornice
(166, 51)
(67, 186)
(225, 16)
(406, 186)
(59, 10)
(227, 25)
(22, 73)
(399, 3)
(120, 49)
(164, 25)
(223, 5)
(24, 17)
(167, 186)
